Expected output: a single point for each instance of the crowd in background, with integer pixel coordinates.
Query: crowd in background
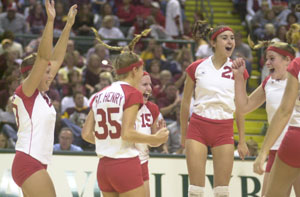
(86, 72)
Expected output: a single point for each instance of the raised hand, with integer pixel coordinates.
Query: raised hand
(50, 9)
(71, 15)
(259, 163)
(238, 66)
(162, 136)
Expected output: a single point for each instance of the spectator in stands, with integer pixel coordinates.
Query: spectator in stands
(4, 142)
(156, 13)
(78, 58)
(74, 77)
(148, 53)
(204, 50)
(9, 82)
(282, 17)
(106, 10)
(157, 31)
(8, 59)
(242, 50)
(165, 77)
(84, 21)
(91, 72)
(69, 65)
(68, 101)
(174, 141)
(260, 32)
(252, 147)
(280, 33)
(13, 21)
(36, 19)
(278, 56)
(65, 141)
(60, 19)
(108, 30)
(174, 25)
(154, 72)
(164, 63)
(253, 6)
(168, 104)
(9, 38)
(126, 13)
(32, 47)
(291, 19)
(8, 122)
(105, 79)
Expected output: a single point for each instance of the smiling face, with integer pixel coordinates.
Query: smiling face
(224, 44)
(277, 65)
(145, 87)
(46, 80)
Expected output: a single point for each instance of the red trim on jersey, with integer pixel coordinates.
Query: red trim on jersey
(246, 74)
(28, 101)
(91, 103)
(132, 96)
(281, 52)
(265, 82)
(220, 31)
(191, 69)
(153, 108)
(294, 67)
(130, 67)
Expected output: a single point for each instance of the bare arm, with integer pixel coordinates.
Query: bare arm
(128, 132)
(279, 121)
(185, 106)
(245, 103)
(40, 65)
(242, 146)
(59, 51)
(88, 128)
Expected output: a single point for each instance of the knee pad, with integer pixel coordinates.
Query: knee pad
(221, 191)
(196, 191)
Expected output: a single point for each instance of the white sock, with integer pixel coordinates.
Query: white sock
(196, 191)
(221, 191)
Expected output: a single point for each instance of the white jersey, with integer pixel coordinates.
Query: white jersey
(144, 121)
(294, 69)
(108, 106)
(214, 89)
(35, 117)
(274, 90)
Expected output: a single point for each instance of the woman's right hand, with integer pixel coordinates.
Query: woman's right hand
(238, 66)
(161, 136)
(72, 14)
(50, 9)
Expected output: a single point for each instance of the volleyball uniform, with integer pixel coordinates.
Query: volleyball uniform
(117, 156)
(145, 119)
(274, 90)
(35, 117)
(289, 149)
(214, 102)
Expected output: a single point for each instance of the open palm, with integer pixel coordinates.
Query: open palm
(50, 9)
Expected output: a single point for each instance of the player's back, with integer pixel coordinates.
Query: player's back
(108, 106)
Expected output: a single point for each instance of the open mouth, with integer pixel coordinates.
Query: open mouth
(272, 70)
(228, 48)
(146, 95)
